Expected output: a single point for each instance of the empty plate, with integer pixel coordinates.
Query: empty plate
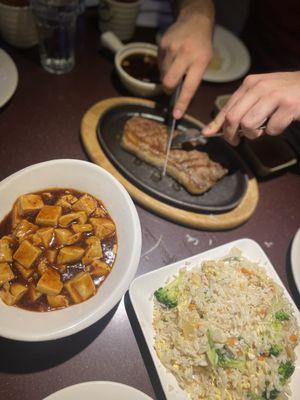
(231, 59)
(98, 390)
(8, 77)
(295, 259)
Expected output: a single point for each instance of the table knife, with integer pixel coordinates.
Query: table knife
(171, 124)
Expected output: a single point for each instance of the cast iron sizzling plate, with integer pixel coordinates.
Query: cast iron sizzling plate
(224, 196)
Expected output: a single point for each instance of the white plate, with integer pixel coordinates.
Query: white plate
(295, 259)
(20, 324)
(98, 391)
(8, 77)
(235, 58)
(141, 294)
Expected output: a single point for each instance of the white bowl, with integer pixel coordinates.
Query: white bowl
(20, 324)
(17, 26)
(135, 86)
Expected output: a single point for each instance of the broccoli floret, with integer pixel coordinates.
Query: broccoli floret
(168, 295)
(273, 394)
(211, 352)
(282, 316)
(275, 350)
(285, 370)
(226, 359)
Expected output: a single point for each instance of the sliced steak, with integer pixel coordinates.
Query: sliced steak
(147, 139)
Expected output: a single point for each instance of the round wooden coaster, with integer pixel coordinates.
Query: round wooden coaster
(227, 220)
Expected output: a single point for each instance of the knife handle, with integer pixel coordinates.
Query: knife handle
(175, 95)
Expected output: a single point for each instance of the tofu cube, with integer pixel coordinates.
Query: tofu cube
(42, 267)
(86, 203)
(5, 250)
(69, 254)
(7, 297)
(67, 219)
(26, 254)
(51, 255)
(6, 273)
(29, 203)
(80, 228)
(25, 272)
(35, 239)
(46, 235)
(15, 215)
(23, 229)
(62, 236)
(33, 294)
(100, 268)
(66, 237)
(99, 212)
(66, 201)
(103, 227)
(18, 290)
(48, 216)
(93, 252)
(50, 283)
(58, 301)
(14, 294)
(81, 287)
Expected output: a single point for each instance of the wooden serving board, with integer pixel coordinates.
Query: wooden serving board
(227, 220)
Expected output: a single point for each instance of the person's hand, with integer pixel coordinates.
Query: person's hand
(186, 49)
(265, 99)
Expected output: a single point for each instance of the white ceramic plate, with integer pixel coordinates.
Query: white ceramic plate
(295, 259)
(141, 295)
(8, 77)
(20, 324)
(98, 391)
(234, 58)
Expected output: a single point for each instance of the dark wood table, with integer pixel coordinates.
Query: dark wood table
(41, 122)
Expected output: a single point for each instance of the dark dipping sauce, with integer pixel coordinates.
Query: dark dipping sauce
(143, 67)
(66, 271)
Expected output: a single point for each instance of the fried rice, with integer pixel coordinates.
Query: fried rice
(230, 335)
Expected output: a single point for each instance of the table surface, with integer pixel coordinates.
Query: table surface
(41, 122)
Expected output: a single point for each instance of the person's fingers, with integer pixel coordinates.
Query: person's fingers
(167, 59)
(234, 141)
(236, 113)
(257, 115)
(176, 71)
(279, 121)
(252, 134)
(216, 124)
(190, 85)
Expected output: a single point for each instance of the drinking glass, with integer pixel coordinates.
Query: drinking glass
(56, 21)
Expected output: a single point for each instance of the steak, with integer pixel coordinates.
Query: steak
(147, 139)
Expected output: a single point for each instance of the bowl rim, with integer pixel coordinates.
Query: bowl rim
(14, 8)
(132, 48)
(121, 287)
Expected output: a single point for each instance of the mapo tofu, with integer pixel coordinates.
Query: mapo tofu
(57, 247)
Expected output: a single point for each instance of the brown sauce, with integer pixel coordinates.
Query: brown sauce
(65, 271)
(143, 67)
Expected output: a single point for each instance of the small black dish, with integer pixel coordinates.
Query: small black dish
(224, 196)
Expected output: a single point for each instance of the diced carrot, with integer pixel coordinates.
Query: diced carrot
(246, 271)
(192, 306)
(263, 312)
(232, 341)
(261, 358)
(293, 338)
